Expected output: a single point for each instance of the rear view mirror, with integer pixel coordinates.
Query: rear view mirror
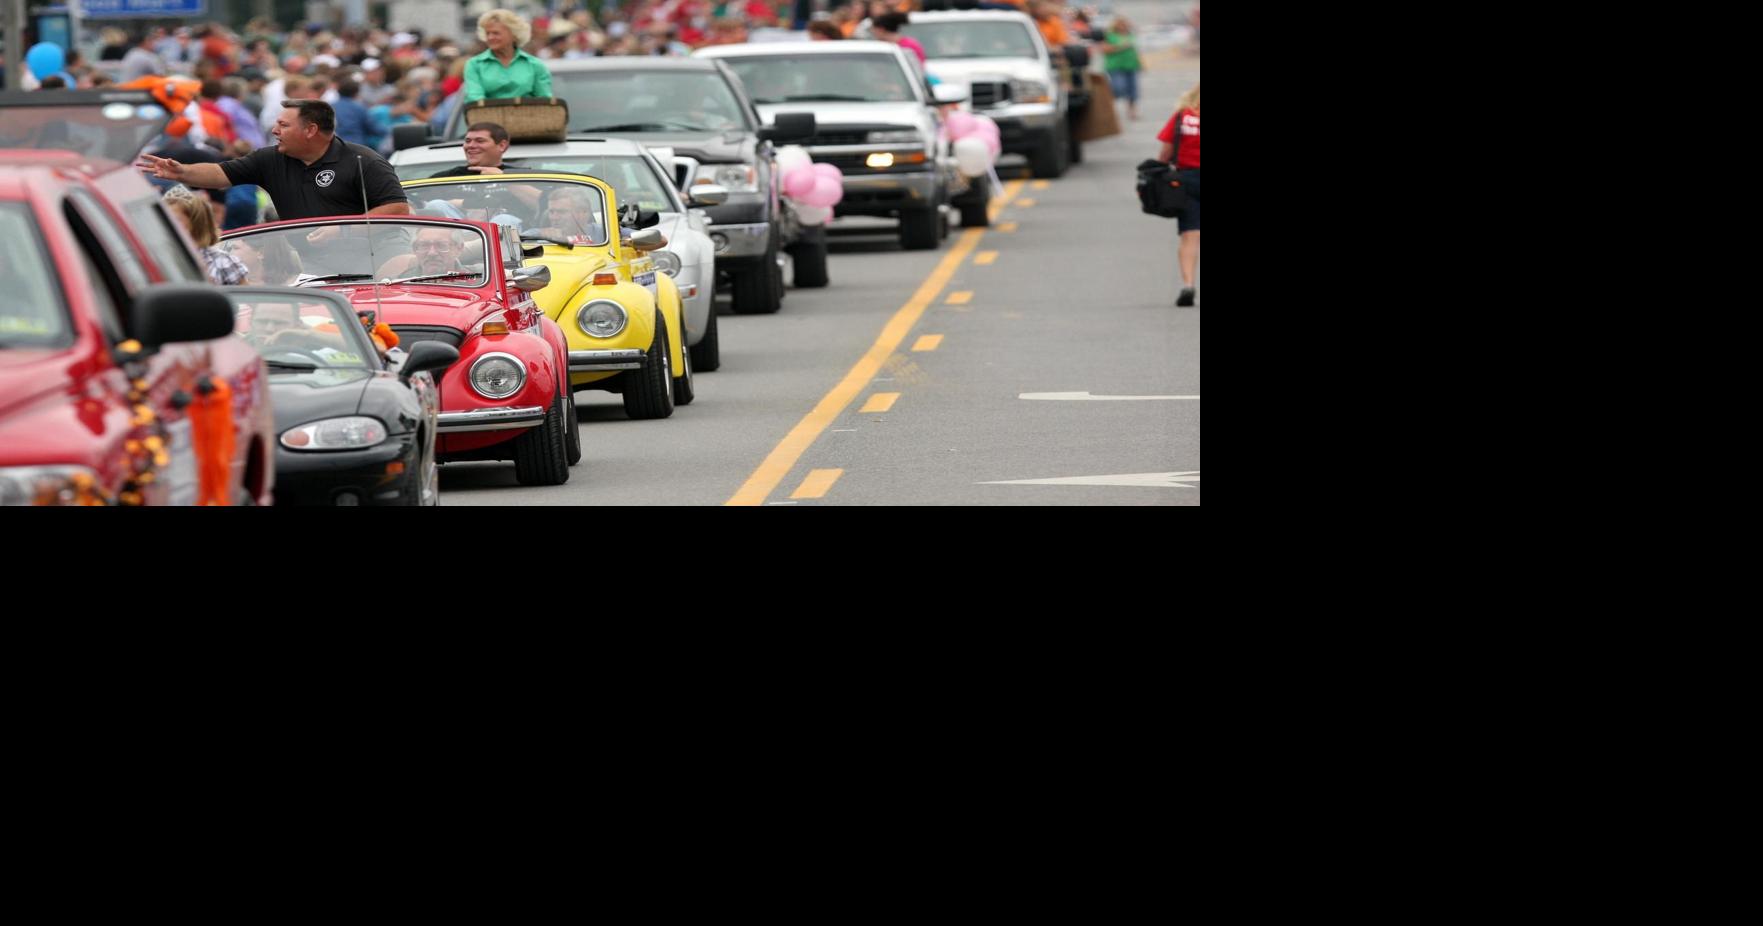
(529, 279)
(708, 194)
(168, 314)
(647, 240)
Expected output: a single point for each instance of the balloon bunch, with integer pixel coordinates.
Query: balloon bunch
(814, 188)
(976, 142)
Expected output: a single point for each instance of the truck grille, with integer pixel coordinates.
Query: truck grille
(987, 94)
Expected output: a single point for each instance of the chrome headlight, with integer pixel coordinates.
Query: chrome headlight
(885, 137)
(352, 433)
(1030, 91)
(47, 485)
(667, 262)
(602, 318)
(739, 178)
(497, 376)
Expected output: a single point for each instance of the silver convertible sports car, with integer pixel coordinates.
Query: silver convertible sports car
(638, 177)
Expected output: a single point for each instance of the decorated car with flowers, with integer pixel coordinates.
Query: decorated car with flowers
(462, 283)
(622, 317)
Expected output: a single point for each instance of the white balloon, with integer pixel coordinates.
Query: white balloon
(972, 156)
(813, 215)
(789, 157)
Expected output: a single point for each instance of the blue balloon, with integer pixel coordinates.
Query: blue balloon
(44, 59)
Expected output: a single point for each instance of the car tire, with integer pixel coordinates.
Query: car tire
(1048, 160)
(810, 259)
(918, 229)
(759, 290)
(648, 392)
(572, 432)
(707, 353)
(683, 393)
(540, 457)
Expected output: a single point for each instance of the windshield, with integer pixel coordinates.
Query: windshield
(302, 335)
(32, 314)
(649, 101)
(556, 209)
(344, 252)
(116, 130)
(809, 78)
(631, 177)
(973, 39)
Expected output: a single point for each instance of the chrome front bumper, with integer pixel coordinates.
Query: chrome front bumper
(740, 240)
(598, 361)
(490, 419)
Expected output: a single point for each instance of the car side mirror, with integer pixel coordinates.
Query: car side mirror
(428, 356)
(647, 218)
(536, 249)
(789, 127)
(410, 135)
(945, 94)
(531, 279)
(708, 195)
(170, 313)
(648, 239)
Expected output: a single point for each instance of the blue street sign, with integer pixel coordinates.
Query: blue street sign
(141, 9)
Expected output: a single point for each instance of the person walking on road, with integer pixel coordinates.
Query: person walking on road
(1120, 58)
(309, 173)
(1181, 146)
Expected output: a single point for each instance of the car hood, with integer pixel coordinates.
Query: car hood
(301, 398)
(716, 147)
(826, 114)
(569, 270)
(420, 305)
(962, 72)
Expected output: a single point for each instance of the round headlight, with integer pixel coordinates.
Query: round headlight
(497, 376)
(601, 318)
(667, 262)
(352, 433)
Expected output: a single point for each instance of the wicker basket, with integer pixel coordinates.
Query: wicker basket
(527, 118)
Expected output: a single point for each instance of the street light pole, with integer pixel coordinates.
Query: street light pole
(14, 44)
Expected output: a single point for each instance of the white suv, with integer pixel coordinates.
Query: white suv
(999, 59)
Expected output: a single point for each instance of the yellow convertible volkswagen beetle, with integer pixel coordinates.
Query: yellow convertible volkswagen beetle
(621, 316)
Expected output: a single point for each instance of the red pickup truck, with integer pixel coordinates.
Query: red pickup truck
(121, 381)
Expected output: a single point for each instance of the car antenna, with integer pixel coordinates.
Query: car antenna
(378, 310)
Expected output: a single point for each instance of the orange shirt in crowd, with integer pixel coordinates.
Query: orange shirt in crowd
(1053, 30)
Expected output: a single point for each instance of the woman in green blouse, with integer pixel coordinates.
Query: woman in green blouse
(504, 70)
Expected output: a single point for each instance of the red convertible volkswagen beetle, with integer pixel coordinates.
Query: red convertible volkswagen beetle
(461, 283)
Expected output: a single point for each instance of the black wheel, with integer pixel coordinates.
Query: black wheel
(1048, 160)
(572, 432)
(918, 229)
(648, 393)
(707, 353)
(810, 258)
(975, 215)
(683, 393)
(759, 290)
(540, 457)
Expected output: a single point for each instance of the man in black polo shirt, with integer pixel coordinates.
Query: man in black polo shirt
(309, 173)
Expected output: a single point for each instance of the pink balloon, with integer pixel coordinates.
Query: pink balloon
(960, 124)
(993, 145)
(829, 171)
(798, 182)
(826, 192)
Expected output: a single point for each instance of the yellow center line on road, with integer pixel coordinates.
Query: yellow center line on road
(927, 342)
(984, 257)
(817, 483)
(1005, 227)
(961, 298)
(880, 402)
(783, 457)
(1025, 203)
